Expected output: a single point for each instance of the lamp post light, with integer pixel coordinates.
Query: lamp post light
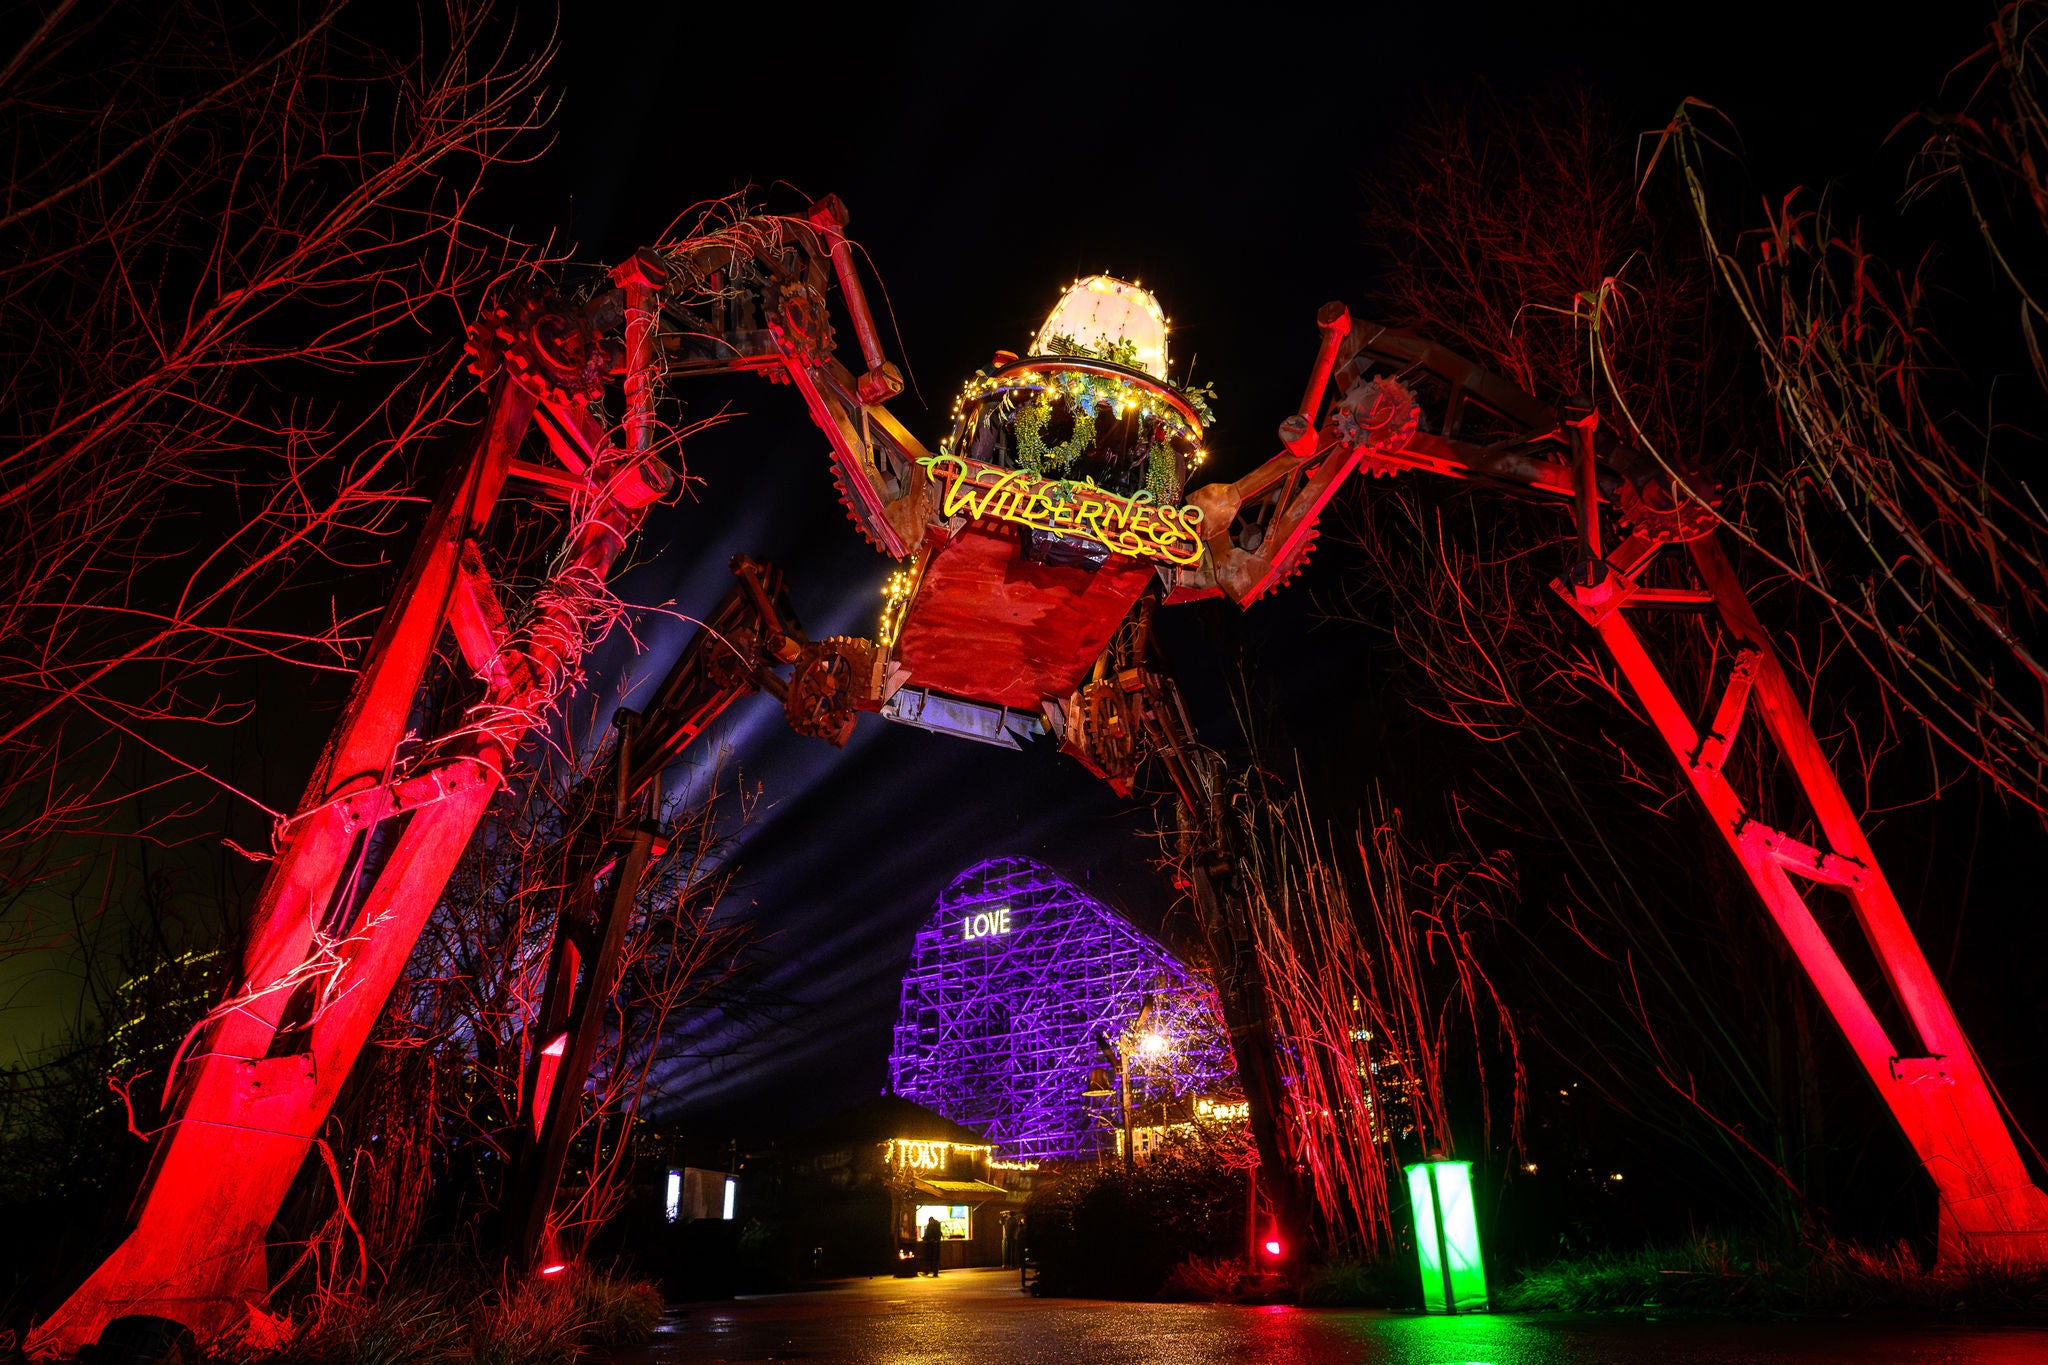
(1150, 1044)
(1447, 1236)
(1100, 1086)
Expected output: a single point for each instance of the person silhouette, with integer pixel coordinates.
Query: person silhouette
(933, 1233)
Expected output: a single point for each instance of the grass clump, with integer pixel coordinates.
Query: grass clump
(1823, 1278)
(617, 1311)
(1345, 1282)
(540, 1322)
(462, 1321)
(1204, 1279)
(414, 1326)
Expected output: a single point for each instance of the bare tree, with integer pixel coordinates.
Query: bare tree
(236, 250)
(442, 1085)
(1663, 991)
(1380, 997)
(1903, 503)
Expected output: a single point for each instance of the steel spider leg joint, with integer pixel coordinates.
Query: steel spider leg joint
(617, 845)
(1480, 428)
(368, 851)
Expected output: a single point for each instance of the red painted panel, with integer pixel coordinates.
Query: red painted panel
(990, 625)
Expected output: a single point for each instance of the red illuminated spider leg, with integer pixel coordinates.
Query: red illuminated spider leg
(882, 381)
(240, 1121)
(1934, 1088)
(1989, 1203)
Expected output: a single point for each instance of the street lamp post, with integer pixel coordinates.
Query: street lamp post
(1100, 1085)
(1123, 1096)
(1117, 1051)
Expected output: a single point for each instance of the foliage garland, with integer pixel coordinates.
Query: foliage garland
(1032, 451)
(1084, 394)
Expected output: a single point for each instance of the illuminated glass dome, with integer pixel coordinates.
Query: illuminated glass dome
(1102, 312)
(1091, 401)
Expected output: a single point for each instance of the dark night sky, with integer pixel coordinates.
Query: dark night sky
(988, 155)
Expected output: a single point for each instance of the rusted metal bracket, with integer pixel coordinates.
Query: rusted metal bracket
(1814, 864)
(1713, 747)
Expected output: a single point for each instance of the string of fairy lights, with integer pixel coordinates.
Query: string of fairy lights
(1102, 350)
(1173, 414)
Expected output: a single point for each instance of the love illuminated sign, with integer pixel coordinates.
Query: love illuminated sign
(983, 923)
(1125, 525)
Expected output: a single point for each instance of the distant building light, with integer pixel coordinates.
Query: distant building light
(732, 1191)
(674, 1201)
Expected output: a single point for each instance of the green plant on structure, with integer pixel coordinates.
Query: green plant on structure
(1160, 479)
(1032, 451)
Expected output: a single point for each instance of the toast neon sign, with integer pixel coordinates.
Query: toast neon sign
(912, 1154)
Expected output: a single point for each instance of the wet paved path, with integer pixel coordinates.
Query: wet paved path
(971, 1317)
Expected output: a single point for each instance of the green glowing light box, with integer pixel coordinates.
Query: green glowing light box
(1447, 1236)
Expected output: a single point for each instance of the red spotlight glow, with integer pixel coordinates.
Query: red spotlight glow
(557, 1268)
(1273, 1247)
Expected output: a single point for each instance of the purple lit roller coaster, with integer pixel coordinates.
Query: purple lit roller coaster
(1013, 984)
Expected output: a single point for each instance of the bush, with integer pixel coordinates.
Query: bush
(1388, 1282)
(1105, 1234)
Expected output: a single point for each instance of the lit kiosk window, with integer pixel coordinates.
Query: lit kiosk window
(955, 1224)
(692, 1194)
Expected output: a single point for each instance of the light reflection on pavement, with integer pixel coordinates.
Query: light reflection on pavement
(979, 1316)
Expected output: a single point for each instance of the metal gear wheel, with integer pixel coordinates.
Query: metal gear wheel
(1651, 510)
(1387, 423)
(543, 342)
(805, 323)
(1110, 729)
(828, 681)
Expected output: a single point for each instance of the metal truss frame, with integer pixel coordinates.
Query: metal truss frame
(998, 1030)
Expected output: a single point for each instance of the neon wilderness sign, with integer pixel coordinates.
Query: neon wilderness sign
(1126, 525)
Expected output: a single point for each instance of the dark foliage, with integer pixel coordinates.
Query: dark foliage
(1103, 1234)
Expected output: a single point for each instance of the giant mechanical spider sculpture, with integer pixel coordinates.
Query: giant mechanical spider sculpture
(1037, 544)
